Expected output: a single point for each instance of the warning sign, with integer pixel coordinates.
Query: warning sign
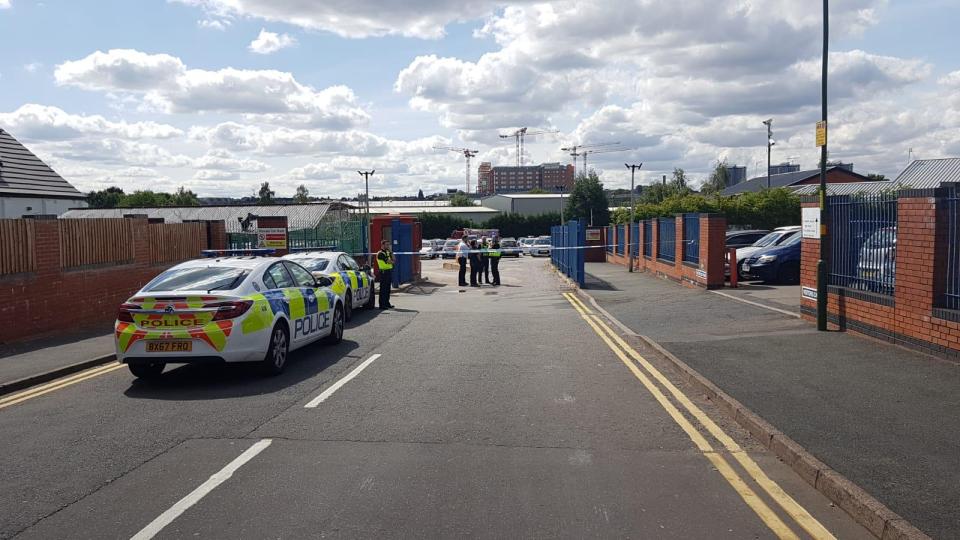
(821, 134)
(272, 237)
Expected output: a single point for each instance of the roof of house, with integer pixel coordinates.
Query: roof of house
(299, 216)
(848, 188)
(23, 174)
(929, 173)
(780, 180)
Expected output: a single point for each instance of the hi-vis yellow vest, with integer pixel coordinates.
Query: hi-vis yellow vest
(382, 264)
(493, 252)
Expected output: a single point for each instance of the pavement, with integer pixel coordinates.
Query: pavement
(28, 360)
(883, 416)
(492, 413)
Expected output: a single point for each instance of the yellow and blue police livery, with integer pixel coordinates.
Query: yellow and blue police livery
(230, 309)
(353, 284)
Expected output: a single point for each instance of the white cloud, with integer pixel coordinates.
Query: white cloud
(48, 123)
(5, 4)
(270, 42)
(289, 142)
(116, 151)
(167, 85)
(32, 67)
(222, 160)
(214, 24)
(210, 174)
(313, 171)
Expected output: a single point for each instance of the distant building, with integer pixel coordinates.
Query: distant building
(28, 186)
(735, 175)
(835, 175)
(527, 204)
(920, 174)
(546, 176)
(784, 168)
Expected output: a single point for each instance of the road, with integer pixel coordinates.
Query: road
(510, 412)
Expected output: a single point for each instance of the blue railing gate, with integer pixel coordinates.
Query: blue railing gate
(567, 254)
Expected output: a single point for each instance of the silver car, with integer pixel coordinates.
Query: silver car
(541, 247)
(877, 265)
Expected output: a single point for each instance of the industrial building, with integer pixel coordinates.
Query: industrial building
(527, 204)
(835, 175)
(546, 176)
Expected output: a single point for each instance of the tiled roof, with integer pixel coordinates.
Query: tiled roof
(24, 174)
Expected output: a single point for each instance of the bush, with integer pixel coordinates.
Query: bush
(767, 209)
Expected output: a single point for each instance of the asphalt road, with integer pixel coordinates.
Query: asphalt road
(492, 412)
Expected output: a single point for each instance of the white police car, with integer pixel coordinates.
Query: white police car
(353, 284)
(230, 309)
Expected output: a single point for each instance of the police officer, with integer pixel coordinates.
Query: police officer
(495, 254)
(484, 261)
(385, 265)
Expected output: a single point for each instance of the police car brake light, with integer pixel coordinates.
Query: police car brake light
(123, 313)
(230, 310)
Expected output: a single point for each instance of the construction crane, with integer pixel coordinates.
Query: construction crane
(573, 152)
(520, 134)
(599, 151)
(467, 153)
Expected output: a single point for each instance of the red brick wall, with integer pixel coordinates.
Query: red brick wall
(55, 301)
(834, 177)
(910, 317)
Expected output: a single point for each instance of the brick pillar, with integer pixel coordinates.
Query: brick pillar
(641, 239)
(914, 294)
(36, 313)
(678, 245)
(809, 255)
(141, 250)
(713, 249)
(655, 234)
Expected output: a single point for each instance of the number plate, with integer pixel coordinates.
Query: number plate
(169, 346)
(745, 267)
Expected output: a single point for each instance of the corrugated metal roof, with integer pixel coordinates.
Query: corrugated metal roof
(299, 216)
(23, 174)
(531, 195)
(848, 188)
(779, 180)
(930, 173)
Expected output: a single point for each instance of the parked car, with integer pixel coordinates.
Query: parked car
(428, 250)
(877, 266)
(541, 247)
(449, 250)
(779, 263)
(772, 239)
(510, 248)
(525, 244)
(351, 281)
(742, 239)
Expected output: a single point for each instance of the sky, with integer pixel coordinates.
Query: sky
(220, 95)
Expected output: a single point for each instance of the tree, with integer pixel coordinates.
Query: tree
(105, 198)
(876, 177)
(717, 181)
(145, 199)
(588, 201)
(537, 191)
(183, 197)
(420, 196)
(265, 195)
(461, 199)
(302, 196)
(654, 193)
(678, 183)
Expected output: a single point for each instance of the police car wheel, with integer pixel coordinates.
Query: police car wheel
(370, 299)
(336, 327)
(147, 371)
(348, 305)
(276, 358)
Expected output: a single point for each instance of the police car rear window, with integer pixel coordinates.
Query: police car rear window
(313, 265)
(210, 278)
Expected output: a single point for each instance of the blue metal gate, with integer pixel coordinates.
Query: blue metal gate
(567, 254)
(402, 241)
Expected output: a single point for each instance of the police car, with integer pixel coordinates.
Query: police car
(353, 284)
(231, 309)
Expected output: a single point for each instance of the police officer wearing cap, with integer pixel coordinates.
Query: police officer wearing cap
(385, 265)
(494, 253)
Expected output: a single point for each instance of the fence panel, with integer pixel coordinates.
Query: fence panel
(667, 239)
(634, 239)
(691, 238)
(863, 242)
(610, 238)
(170, 242)
(569, 261)
(951, 296)
(621, 241)
(16, 246)
(95, 241)
(647, 238)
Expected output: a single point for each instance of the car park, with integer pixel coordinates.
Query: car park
(779, 263)
(525, 244)
(428, 250)
(742, 239)
(449, 250)
(225, 310)
(772, 239)
(353, 283)
(509, 248)
(541, 247)
(877, 263)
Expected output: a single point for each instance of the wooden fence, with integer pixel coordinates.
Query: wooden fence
(95, 241)
(175, 241)
(16, 246)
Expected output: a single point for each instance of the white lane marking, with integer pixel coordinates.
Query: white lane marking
(758, 304)
(183, 504)
(336, 386)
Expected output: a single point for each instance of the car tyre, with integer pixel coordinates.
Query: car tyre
(336, 327)
(348, 305)
(278, 351)
(370, 296)
(147, 371)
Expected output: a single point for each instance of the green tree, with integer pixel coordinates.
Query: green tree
(654, 193)
(145, 199)
(876, 177)
(588, 201)
(105, 198)
(183, 197)
(440, 225)
(461, 199)
(265, 195)
(420, 196)
(302, 196)
(717, 181)
(678, 183)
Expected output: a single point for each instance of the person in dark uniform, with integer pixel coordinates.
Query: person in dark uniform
(495, 260)
(385, 265)
(485, 260)
(463, 253)
(474, 264)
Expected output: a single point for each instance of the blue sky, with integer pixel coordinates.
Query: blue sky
(218, 95)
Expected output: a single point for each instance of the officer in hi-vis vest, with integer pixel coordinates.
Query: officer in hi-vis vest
(385, 265)
(494, 255)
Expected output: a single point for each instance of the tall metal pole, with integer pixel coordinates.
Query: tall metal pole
(824, 211)
(633, 172)
(769, 124)
(366, 186)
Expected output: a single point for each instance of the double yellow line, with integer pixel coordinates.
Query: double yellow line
(57, 384)
(646, 376)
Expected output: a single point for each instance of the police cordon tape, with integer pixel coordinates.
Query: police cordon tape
(552, 248)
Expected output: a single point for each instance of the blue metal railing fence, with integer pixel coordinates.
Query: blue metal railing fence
(691, 238)
(647, 238)
(667, 239)
(569, 261)
(620, 239)
(609, 239)
(951, 295)
(635, 239)
(863, 242)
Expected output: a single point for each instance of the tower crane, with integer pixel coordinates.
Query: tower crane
(598, 151)
(467, 153)
(519, 134)
(573, 152)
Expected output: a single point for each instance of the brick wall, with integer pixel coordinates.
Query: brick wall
(910, 317)
(708, 273)
(53, 300)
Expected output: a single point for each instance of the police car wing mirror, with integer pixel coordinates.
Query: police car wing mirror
(324, 281)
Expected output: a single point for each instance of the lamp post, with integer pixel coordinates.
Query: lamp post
(770, 143)
(633, 172)
(366, 202)
(824, 211)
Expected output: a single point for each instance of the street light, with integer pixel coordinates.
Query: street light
(633, 172)
(770, 143)
(824, 209)
(366, 203)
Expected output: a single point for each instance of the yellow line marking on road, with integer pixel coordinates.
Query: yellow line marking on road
(768, 516)
(794, 509)
(57, 384)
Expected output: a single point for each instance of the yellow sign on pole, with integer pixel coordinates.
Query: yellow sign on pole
(821, 133)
